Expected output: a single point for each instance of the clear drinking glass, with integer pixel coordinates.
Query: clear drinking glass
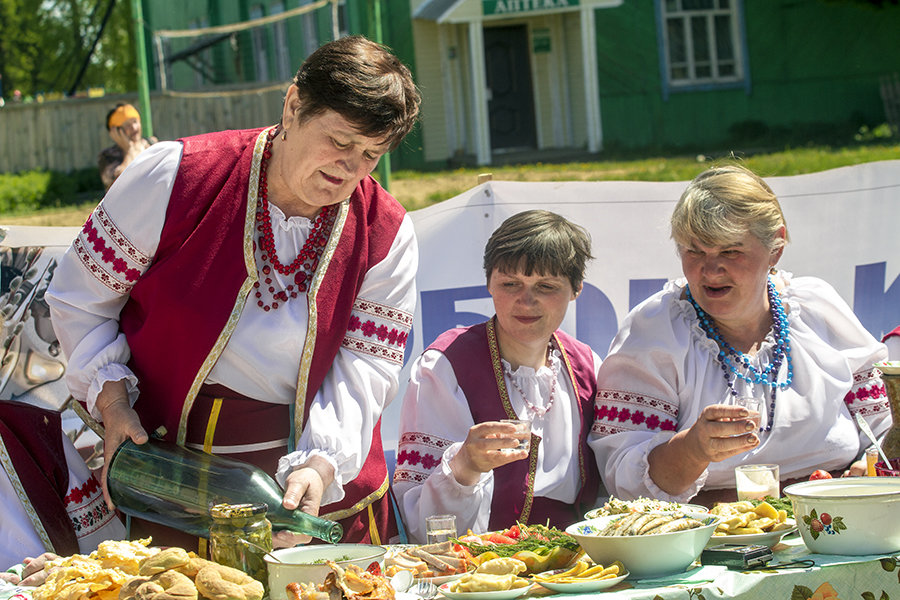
(440, 528)
(523, 432)
(176, 487)
(755, 482)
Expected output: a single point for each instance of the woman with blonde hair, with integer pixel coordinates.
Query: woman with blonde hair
(672, 416)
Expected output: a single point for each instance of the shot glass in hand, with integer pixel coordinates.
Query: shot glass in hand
(523, 433)
(440, 528)
(754, 405)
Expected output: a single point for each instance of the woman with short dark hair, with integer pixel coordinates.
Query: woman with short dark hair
(252, 292)
(455, 455)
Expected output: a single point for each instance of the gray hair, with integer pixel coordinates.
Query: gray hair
(723, 203)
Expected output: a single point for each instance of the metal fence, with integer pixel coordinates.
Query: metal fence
(68, 134)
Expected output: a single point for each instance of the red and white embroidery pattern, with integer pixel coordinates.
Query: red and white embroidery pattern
(87, 508)
(418, 454)
(867, 396)
(108, 255)
(378, 330)
(616, 411)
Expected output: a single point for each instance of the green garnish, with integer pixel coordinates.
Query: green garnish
(778, 504)
(536, 538)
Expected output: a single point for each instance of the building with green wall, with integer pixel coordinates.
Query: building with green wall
(503, 78)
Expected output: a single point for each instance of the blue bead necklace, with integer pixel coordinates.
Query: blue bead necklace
(735, 364)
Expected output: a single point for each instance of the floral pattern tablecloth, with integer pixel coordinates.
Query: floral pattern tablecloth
(830, 578)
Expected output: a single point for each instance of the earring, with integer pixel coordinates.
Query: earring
(284, 135)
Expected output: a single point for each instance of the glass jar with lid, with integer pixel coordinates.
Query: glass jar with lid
(232, 526)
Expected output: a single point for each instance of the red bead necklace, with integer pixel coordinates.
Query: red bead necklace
(307, 260)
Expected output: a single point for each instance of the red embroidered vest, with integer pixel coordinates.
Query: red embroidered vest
(469, 353)
(203, 271)
(32, 437)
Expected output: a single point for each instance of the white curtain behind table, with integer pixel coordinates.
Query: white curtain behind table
(844, 226)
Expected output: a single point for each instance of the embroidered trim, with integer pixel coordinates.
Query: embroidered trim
(499, 378)
(388, 324)
(6, 463)
(97, 270)
(349, 512)
(628, 417)
(312, 330)
(124, 244)
(231, 324)
(529, 479)
(87, 509)
(92, 249)
(416, 448)
(868, 395)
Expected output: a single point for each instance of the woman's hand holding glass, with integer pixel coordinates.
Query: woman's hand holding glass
(488, 445)
(304, 489)
(723, 431)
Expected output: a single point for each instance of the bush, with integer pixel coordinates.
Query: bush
(30, 191)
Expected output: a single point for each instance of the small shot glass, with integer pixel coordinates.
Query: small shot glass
(523, 432)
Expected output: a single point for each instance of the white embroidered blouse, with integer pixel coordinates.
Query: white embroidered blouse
(435, 421)
(662, 371)
(262, 357)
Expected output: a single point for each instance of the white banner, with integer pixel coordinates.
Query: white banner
(843, 226)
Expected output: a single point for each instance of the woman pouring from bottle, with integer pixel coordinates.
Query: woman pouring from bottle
(252, 291)
(670, 423)
(456, 454)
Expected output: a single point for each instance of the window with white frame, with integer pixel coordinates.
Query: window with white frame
(702, 42)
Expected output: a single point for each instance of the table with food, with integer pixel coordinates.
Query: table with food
(824, 538)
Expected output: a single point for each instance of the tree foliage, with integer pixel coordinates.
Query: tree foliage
(44, 45)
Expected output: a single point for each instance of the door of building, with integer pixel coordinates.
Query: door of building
(510, 99)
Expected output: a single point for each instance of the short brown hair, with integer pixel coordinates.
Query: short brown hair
(539, 241)
(363, 82)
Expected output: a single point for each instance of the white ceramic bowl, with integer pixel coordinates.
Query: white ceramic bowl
(306, 564)
(848, 515)
(645, 555)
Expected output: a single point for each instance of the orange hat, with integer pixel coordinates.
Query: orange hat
(122, 114)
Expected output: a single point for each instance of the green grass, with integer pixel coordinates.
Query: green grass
(39, 198)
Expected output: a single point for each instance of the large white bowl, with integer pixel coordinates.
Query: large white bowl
(849, 515)
(645, 555)
(306, 564)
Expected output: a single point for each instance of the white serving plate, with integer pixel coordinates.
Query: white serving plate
(498, 595)
(768, 538)
(578, 587)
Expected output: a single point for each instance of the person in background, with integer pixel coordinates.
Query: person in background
(252, 291)
(123, 123)
(669, 422)
(51, 501)
(892, 341)
(455, 456)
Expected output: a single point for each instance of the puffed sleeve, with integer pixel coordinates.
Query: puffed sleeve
(434, 422)
(96, 274)
(363, 379)
(644, 394)
(831, 319)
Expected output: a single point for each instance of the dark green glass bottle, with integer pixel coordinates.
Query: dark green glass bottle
(175, 486)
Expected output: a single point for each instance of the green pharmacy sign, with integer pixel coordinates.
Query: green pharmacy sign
(510, 7)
